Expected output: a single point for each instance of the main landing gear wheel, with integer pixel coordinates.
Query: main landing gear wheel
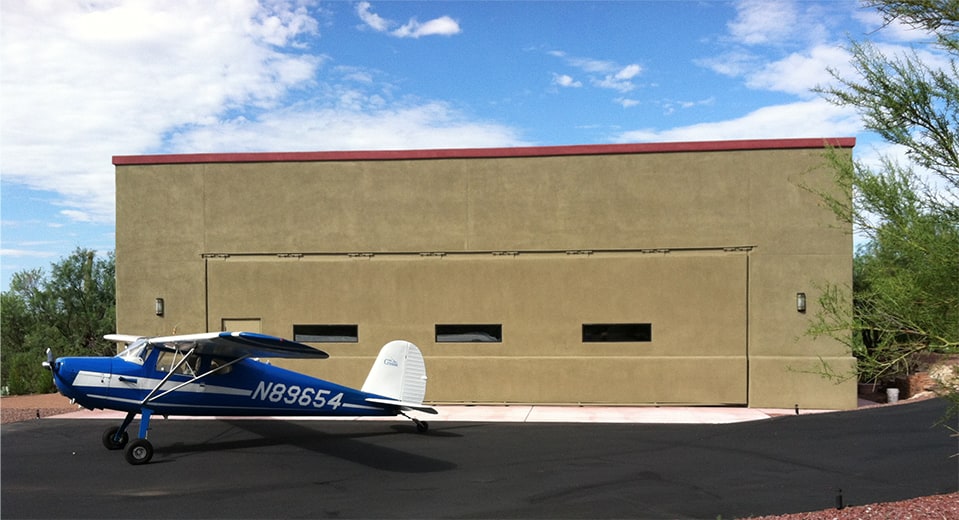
(110, 440)
(139, 452)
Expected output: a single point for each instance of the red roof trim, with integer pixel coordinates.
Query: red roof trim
(487, 153)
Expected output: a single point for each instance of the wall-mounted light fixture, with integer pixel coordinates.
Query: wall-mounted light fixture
(801, 302)
(158, 306)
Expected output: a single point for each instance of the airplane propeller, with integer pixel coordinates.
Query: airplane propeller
(49, 364)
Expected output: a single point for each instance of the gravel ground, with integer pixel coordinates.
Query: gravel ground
(936, 507)
(22, 407)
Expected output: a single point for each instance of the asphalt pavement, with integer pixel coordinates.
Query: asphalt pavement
(255, 468)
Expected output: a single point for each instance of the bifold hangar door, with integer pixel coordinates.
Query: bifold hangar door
(624, 327)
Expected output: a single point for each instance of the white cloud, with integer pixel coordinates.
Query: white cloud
(620, 80)
(565, 80)
(442, 26)
(894, 30)
(763, 29)
(763, 21)
(800, 72)
(602, 73)
(628, 72)
(83, 82)
(26, 253)
(814, 118)
(670, 106)
(783, 22)
(424, 125)
(732, 63)
(356, 74)
(589, 64)
(373, 20)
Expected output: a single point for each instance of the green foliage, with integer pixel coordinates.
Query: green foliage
(69, 312)
(904, 302)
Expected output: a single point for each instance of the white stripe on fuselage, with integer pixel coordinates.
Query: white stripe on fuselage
(306, 413)
(102, 380)
(86, 378)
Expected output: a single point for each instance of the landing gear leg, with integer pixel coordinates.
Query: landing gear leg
(116, 437)
(140, 451)
(421, 426)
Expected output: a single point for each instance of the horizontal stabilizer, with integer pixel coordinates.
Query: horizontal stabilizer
(419, 407)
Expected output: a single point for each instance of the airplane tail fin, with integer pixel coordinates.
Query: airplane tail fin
(399, 374)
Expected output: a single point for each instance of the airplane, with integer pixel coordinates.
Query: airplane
(223, 373)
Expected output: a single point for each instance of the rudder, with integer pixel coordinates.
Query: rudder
(398, 373)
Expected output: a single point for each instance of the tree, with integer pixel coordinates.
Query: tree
(68, 313)
(905, 294)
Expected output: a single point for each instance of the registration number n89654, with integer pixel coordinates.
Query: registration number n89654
(294, 394)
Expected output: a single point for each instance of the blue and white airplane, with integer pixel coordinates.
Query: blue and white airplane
(221, 373)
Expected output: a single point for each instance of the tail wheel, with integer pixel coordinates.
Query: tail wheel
(139, 452)
(111, 441)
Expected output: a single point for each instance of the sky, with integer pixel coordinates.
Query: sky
(82, 81)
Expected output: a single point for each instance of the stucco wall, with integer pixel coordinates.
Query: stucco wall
(707, 244)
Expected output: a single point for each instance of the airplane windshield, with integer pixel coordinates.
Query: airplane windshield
(135, 352)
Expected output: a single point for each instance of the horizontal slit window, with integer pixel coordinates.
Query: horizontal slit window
(617, 332)
(326, 333)
(455, 333)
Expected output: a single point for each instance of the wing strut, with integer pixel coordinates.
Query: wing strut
(167, 377)
(191, 381)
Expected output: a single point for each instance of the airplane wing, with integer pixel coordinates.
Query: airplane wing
(238, 344)
(121, 338)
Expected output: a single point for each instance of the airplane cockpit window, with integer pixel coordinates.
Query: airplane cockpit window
(167, 360)
(136, 352)
(220, 366)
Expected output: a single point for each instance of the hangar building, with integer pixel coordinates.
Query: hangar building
(669, 273)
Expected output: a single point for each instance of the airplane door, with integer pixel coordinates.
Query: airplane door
(123, 380)
(106, 378)
(127, 372)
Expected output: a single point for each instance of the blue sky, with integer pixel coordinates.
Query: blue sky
(82, 81)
